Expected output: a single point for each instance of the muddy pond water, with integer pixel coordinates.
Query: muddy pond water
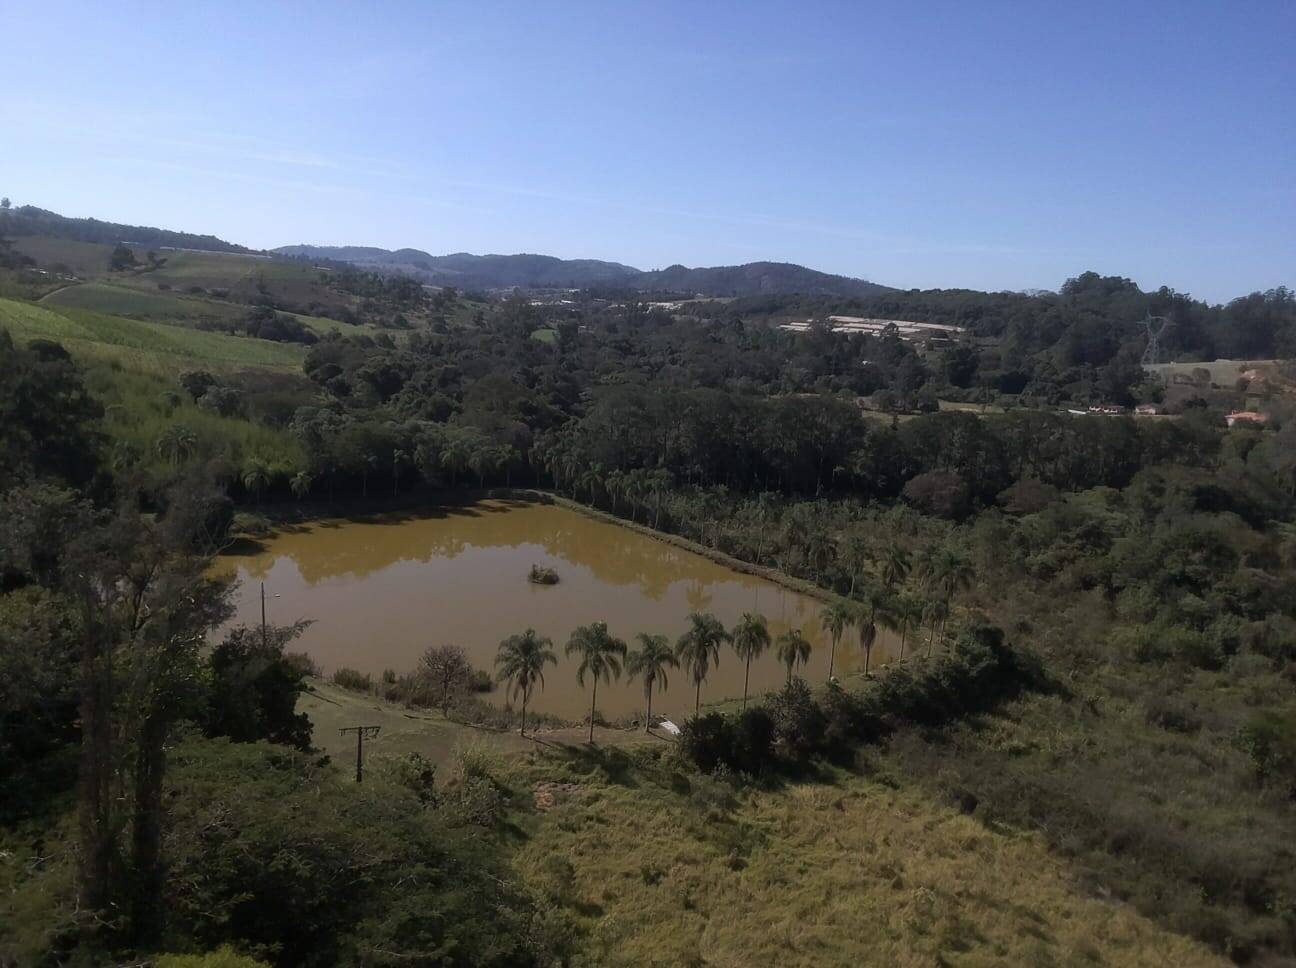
(382, 589)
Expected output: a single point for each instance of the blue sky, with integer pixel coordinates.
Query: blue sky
(916, 144)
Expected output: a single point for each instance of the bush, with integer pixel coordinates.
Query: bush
(977, 673)
(1171, 714)
(352, 679)
(223, 957)
(267, 851)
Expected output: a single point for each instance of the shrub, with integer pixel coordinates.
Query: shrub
(978, 672)
(352, 679)
(707, 740)
(222, 957)
(267, 851)
(1171, 714)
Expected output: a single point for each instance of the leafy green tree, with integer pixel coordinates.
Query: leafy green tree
(792, 649)
(600, 655)
(698, 650)
(650, 662)
(520, 662)
(254, 688)
(750, 639)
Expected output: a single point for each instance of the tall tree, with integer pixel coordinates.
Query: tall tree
(750, 639)
(520, 662)
(835, 617)
(698, 650)
(793, 650)
(650, 662)
(601, 656)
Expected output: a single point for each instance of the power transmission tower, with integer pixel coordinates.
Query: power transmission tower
(361, 732)
(1155, 327)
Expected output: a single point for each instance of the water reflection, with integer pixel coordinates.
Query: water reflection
(383, 589)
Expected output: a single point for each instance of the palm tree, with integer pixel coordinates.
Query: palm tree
(600, 658)
(698, 650)
(750, 638)
(176, 444)
(855, 557)
(893, 567)
(793, 650)
(658, 483)
(907, 611)
(935, 610)
(650, 662)
(521, 660)
(951, 572)
(615, 483)
(835, 617)
(256, 476)
(301, 484)
(399, 459)
(874, 600)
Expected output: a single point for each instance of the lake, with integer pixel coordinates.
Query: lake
(383, 589)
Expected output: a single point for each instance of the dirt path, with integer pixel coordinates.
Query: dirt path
(55, 292)
(419, 731)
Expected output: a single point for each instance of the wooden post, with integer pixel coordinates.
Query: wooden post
(361, 732)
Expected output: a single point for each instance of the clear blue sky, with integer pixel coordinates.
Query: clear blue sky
(916, 144)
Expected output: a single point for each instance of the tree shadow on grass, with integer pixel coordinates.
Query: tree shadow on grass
(611, 762)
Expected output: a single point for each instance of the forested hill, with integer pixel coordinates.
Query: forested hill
(541, 271)
(30, 220)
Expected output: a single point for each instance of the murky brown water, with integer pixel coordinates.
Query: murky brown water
(383, 589)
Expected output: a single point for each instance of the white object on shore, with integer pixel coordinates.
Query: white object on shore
(670, 727)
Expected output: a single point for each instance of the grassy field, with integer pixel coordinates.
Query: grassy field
(141, 345)
(119, 300)
(659, 866)
(85, 259)
(856, 868)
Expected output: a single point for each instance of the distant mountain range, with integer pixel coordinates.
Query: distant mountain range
(468, 271)
(547, 272)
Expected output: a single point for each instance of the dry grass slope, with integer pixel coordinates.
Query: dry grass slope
(669, 870)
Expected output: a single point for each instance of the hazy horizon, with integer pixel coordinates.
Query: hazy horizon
(992, 147)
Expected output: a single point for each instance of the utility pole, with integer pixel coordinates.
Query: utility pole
(263, 626)
(361, 732)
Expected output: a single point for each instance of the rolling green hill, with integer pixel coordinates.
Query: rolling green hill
(148, 346)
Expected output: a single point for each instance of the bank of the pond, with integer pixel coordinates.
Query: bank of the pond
(306, 512)
(405, 730)
(385, 585)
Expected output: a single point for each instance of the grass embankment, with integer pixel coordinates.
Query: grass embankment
(141, 345)
(428, 733)
(663, 868)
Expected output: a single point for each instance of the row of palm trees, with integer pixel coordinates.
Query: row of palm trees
(602, 657)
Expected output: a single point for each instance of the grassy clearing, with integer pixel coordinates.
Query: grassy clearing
(141, 345)
(663, 868)
(85, 259)
(119, 300)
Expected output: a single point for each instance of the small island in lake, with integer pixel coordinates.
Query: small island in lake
(542, 576)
